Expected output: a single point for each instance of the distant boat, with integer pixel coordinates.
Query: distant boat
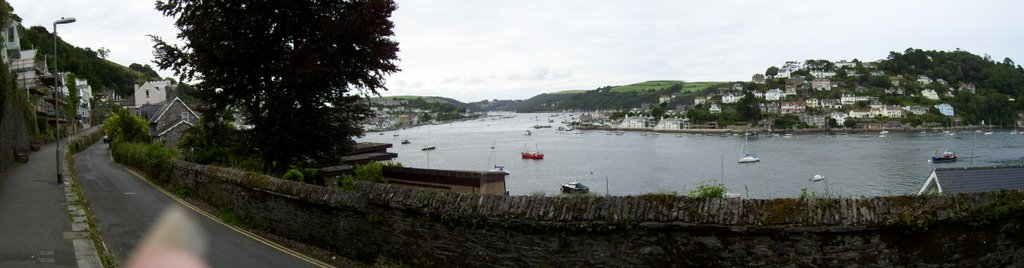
(428, 148)
(405, 141)
(947, 157)
(748, 157)
(988, 133)
(817, 178)
(574, 187)
(527, 133)
(534, 155)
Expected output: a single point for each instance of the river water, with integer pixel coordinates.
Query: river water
(854, 165)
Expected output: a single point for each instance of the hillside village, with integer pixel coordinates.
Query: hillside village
(807, 95)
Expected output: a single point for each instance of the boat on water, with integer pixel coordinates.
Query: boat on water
(405, 141)
(817, 177)
(532, 155)
(988, 133)
(527, 133)
(619, 133)
(428, 148)
(574, 187)
(946, 157)
(883, 132)
(747, 157)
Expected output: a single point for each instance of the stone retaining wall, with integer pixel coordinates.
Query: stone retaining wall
(432, 228)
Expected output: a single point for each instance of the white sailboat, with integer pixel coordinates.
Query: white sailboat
(428, 147)
(747, 157)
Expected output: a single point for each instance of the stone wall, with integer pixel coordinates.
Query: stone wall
(433, 228)
(15, 120)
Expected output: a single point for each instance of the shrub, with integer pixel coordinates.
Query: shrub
(126, 127)
(294, 175)
(708, 190)
(152, 159)
(372, 172)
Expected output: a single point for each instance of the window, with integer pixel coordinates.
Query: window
(184, 116)
(147, 93)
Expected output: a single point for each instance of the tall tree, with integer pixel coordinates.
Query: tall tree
(295, 70)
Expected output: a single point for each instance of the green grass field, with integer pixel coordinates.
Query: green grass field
(652, 86)
(570, 92)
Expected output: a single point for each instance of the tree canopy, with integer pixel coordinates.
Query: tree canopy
(295, 70)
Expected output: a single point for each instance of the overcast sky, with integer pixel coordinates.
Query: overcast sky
(473, 49)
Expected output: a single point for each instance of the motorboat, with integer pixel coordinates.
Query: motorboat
(817, 177)
(527, 133)
(947, 157)
(428, 148)
(574, 187)
(405, 141)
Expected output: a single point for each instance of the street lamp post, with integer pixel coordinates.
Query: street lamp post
(56, 96)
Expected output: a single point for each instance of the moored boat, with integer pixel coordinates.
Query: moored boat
(946, 157)
(405, 141)
(428, 148)
(574, 187)
(532, 155)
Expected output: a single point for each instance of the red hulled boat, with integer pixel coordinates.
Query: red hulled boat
(534, 155)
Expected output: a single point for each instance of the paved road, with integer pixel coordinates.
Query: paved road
(125, 206)
(33, 215)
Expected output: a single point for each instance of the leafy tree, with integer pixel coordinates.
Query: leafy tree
(126, 127)
(749, 108)
(850, 123)
(294, 70)
(832, 123)
(74, 100)
(772, 71)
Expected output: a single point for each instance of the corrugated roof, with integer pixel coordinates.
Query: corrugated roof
(968, 180)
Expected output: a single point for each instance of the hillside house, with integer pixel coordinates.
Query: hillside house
(737, 87)
(715, 109)
(698, 100)
(821, 84)
(860, 113)
(664, 99)
(792, 107)
(773, 94)
(823, 74)
(840, 117)
(929, 94)
(758, 94)
(890, 111)
(732, 98)
(831, 104)
(152, 92)
(813, 120)
(771, 107)
(812, 103)
(917, 110)
(924, 79)
(945, 109)
(967, 87)
(791, 90)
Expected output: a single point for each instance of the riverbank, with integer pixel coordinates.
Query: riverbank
(743, 129)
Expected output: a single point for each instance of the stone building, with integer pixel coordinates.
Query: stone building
(169, 120)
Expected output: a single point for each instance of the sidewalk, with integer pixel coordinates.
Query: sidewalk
(34, 216)
(36, 228)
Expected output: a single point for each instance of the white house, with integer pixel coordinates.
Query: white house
(758, 94)
(929, 94)
(823, 74)
(732, 98)
(85, 94)
(673, 123)
(151, 92)
(924, 79)
(845, 64)
(773, 94)
(848, 99)
(635, 122)
(840, 117)
(945, 109)
(860, 113)
(891, 111)
(791, 90)
(714, 109)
